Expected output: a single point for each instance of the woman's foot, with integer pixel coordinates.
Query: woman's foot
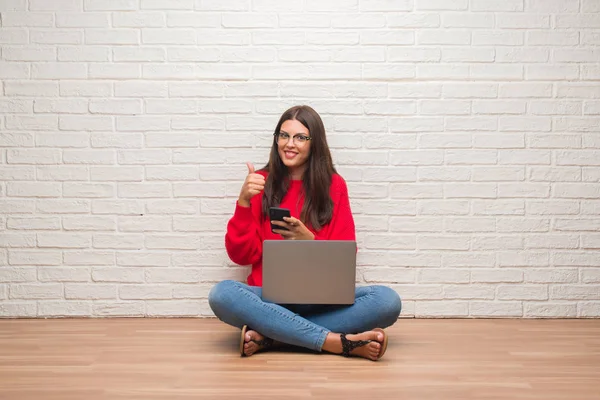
(369, 344)
(250, 342)
(254, 342)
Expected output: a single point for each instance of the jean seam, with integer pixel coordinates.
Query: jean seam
(370, 294)
(269, 306)
(321, 339)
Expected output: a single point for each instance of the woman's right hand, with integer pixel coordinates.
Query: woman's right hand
(252, 186)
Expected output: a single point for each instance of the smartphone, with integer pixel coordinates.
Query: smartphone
(277, 214)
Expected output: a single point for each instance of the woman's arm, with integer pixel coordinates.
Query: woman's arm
(243, 240)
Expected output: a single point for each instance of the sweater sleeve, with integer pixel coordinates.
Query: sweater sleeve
(243, 240)
(341, 226)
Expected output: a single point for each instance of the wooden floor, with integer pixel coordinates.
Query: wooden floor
(155, 359)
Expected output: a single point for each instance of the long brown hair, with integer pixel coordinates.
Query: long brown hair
(318, 205)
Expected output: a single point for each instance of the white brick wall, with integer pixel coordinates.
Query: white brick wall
(468, 132)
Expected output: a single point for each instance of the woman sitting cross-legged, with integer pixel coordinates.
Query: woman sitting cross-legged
(299, 176)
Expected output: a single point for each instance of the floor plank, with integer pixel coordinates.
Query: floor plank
(156, 359)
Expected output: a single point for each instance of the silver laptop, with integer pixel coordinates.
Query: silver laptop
(309, 271)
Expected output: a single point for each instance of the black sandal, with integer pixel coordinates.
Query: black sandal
(265, 343)
(349, 345)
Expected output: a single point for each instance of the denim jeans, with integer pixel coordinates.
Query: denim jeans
(238, 304)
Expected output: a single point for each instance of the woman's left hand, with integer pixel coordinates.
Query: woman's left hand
(296, 229)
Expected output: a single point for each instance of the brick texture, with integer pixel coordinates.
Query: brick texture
(468, 132)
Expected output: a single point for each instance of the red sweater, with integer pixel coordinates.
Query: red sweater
(247, 229)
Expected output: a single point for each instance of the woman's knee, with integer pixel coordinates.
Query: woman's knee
(390, 304)
(220, 296)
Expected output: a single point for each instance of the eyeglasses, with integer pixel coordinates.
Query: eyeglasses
(297, 139)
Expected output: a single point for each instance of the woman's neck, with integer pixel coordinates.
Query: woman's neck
(297, 173)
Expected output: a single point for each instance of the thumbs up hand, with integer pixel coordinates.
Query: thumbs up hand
(252, 186)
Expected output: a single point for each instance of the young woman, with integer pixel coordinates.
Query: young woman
(299, 176)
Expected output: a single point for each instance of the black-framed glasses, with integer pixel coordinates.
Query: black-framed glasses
(298, 139)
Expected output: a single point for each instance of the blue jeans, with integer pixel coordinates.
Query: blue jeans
(238, 304)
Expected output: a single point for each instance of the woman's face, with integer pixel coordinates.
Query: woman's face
(293, 146)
